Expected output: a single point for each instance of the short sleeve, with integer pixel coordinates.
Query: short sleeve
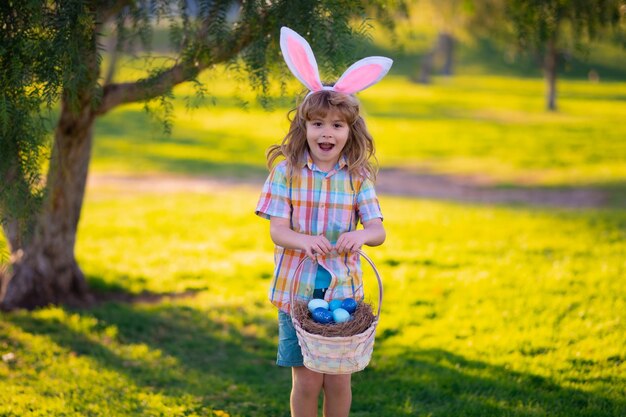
(274, 200)
(367, 202)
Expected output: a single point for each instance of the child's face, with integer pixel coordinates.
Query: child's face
(326, 138)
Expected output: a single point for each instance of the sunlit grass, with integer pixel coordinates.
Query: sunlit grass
(484, 125)
(487, 311)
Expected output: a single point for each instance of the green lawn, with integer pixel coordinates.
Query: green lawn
(488, 311)
(492, 126)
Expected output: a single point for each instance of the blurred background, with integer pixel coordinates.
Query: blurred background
(502, 150)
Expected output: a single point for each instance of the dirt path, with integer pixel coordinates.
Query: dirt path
(477, 190)
(471, 189)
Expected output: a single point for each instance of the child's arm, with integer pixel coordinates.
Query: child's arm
(372, 234)
(283, 235)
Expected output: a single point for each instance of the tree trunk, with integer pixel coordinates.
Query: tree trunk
(43, 267)
(446, 46)
(549, 67)
(426, 68)
(45, 271)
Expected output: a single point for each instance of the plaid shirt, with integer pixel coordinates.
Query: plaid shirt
(317, 203)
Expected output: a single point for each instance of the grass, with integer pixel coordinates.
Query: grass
(491, 126)
(487, 120)
(488, 311)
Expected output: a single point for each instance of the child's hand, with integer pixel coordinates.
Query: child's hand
(350, 241)
(316, 245)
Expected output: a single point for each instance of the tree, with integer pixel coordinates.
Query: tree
(449, 17)
(546, 26)
(449, 20)
(50, 55)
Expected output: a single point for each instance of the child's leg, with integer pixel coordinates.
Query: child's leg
(337, 395)
(305, 391)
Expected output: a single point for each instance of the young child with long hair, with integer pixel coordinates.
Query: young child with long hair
(314, 200)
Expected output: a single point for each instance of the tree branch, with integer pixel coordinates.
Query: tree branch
(112, 47)
(151, 87)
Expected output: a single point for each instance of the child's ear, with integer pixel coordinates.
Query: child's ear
(363, 74)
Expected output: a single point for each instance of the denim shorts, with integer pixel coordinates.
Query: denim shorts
(289, 351)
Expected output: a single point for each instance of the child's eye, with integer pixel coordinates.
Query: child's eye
(338, 125)
(317, 124)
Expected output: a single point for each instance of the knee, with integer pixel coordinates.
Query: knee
(337, 384)
(308, 383)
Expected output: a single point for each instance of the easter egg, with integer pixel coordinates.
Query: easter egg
(340, 315)
(317, 303)
(349, 305)
(334, 305)
(322, 315)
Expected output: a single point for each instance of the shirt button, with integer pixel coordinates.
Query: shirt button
(322, 205)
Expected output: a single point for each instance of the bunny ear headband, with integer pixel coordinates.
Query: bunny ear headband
(301, 61)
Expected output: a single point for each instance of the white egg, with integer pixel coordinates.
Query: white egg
(316, 303)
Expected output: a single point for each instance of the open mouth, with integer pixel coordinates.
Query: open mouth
(326, 146)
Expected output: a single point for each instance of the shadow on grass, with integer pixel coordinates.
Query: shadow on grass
(104, 291)
(220, 360)
(436, 382)
(210, 359)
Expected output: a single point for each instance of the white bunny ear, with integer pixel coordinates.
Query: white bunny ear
(363, 74)
(300, 59)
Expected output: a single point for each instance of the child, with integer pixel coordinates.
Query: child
(314, 199)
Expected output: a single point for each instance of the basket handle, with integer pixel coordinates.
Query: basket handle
(363, 255)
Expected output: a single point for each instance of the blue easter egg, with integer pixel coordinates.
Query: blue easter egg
(349, 305)
(322, 315)
(317, 303)
(334, 305)
(340, 315)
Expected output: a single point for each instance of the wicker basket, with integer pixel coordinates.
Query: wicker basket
(337, 355)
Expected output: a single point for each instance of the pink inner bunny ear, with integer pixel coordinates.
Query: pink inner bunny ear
(300, 59)
(363, 74)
